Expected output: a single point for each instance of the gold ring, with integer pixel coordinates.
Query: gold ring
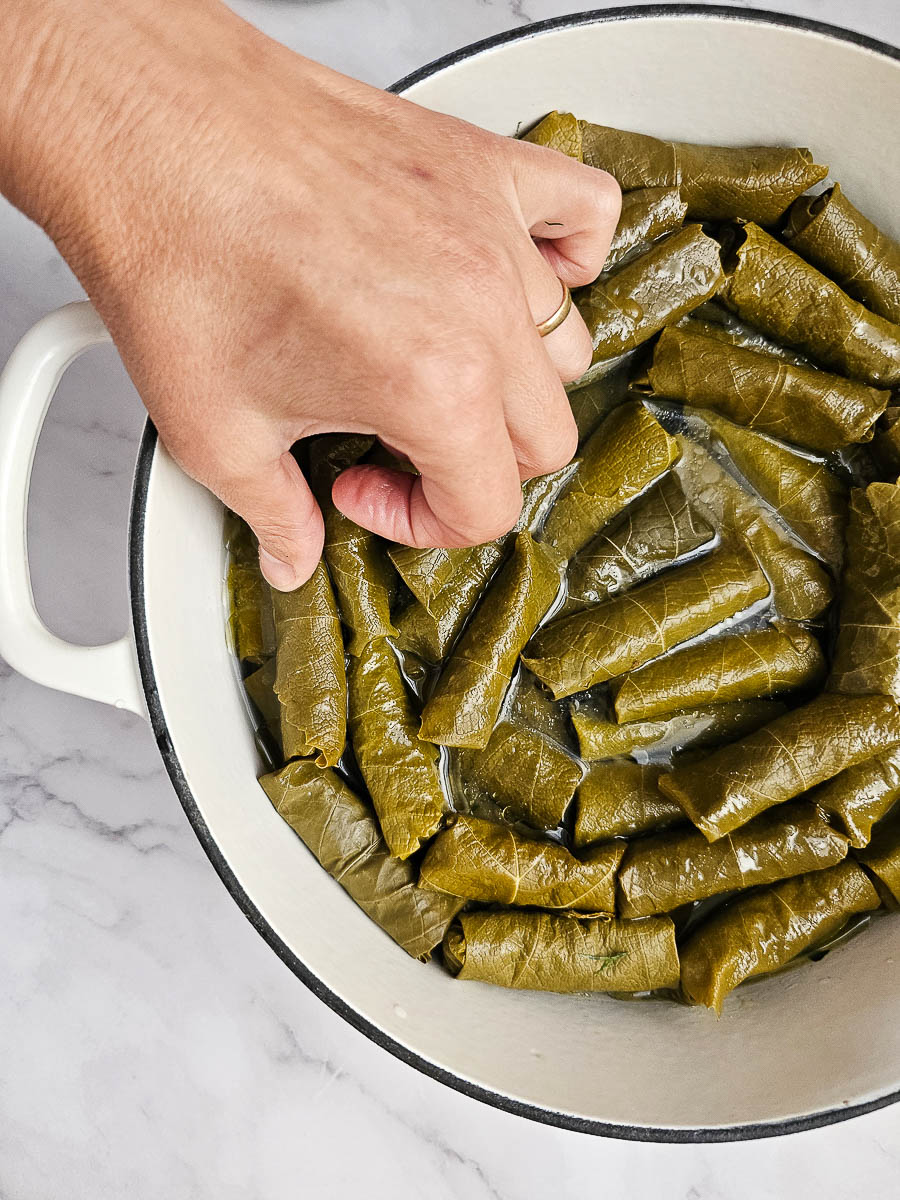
(554, 321)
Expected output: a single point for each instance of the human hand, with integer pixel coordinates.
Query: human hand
(281, 251)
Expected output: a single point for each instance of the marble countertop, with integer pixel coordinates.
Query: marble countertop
(151, 1044)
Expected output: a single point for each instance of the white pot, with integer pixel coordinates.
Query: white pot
(802, 1049)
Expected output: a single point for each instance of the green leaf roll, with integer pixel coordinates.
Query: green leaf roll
(738, 666)
(627, 453)
(260, 685)
(400, 771)
(341, 831)
(620, 798)
(662, 872)
(532, 707)
(491, 863)
(559, 131)
(310, 680)
(647, 215)
(862, 795)
(465, 703)
(775, 289)
(793, 753)
(797, 404)
(252, 631)
(809, 498)
(758, 932)
(882, 859)
(559, 952)
(867, 654)
(627, 630)
(628, 306)
(531, 778)
(835, 237)
(659, 528)
(756, 183)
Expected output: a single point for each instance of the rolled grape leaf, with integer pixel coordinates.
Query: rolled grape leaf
(465, 703)
(559, 131)
(625, 308)
(530, 777)
(738, 666)
(647, 215)
(426, 571)
(801, 589)
(775, 289)
(532, 707)
(797, 404)
(862, 795)
(252, 628)
(882, 859)
(624, 632)
(867, 654)
(713, 321)
(886, 446)
(663, 871)
(481, 860)
(756, 183)
(310, 680)
(559, 952)
(400, 771)
(341, 831)
(758, 932)
(793, 753)
(627, 453)
(600, 738)
(260, 686)
(806, 495)
(835, 237)
(659, 528)
(620, 798)
(356, 561)
(592, 402)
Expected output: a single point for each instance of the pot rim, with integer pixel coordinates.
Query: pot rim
(545, 1116)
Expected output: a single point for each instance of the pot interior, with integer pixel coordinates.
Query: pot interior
(797, 1046)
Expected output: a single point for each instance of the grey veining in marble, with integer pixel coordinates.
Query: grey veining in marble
(151, 1045)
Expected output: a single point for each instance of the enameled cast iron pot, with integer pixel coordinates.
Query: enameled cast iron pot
(805, 1048)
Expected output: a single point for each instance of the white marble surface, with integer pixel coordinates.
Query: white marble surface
(151, 1045)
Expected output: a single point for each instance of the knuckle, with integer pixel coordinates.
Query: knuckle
(607, 194)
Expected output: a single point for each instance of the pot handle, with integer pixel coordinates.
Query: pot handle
(107, 673)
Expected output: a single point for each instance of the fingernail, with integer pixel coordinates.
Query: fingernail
(281, 575)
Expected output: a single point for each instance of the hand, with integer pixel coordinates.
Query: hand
(280, 251)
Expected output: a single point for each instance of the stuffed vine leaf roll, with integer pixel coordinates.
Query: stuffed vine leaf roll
(775, 289)
(310, 680)
(718, 182)
(647, 215)
(465, 703)
(491, 863)
(793, 753)
(400, 771)
(886, 446)
(559, 131)
(862, 795)
(627, 630)
(661, 872)
(252, 628)
(341, 831)
(835, 237)
(260, 686)
(739, 666)
(797, 404)
(619, 798)
(762, 930)
(560, 952)
(659, 528)
(882, 859)
(867, 654)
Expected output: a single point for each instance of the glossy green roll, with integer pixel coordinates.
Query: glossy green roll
(400, 770)
(341, 831)
(620, 798)
(465, 703)
(628, 452)
(260, 687)
(628, 306)
(662, 872)
(647, 215)
(860, 796)
(658, 529)
(627, 630)
(835, 237)
(882, 859)
(795, 752)
(760, 931)
(797, 404)
(559, 131)
(738, 666)
(886, 446)
(252, 627)
(529, 776)
(560, 952)
(310, 680)
(775, 289)
(756, 183)
(867, 654)
(491, 863)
